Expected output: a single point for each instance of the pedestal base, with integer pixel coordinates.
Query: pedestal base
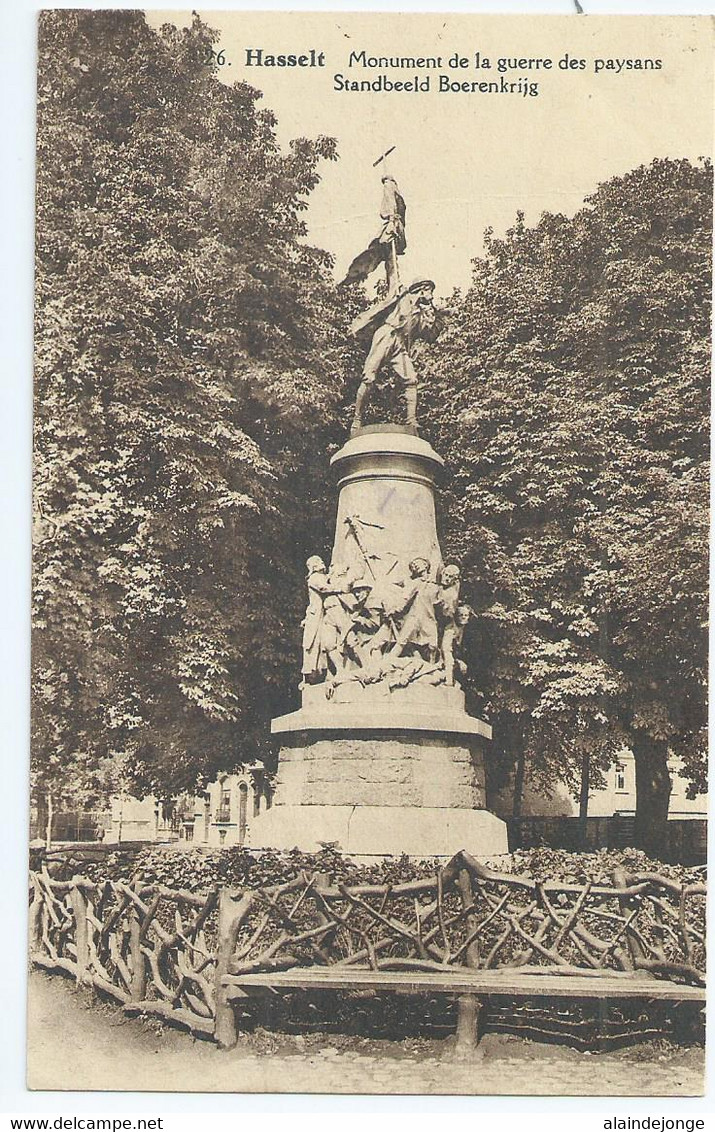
(394, 770)
(380, 831)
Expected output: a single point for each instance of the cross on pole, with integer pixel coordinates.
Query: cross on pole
(383, 157)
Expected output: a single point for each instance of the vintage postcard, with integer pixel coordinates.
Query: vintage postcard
(372, 394)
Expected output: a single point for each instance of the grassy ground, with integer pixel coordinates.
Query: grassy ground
(77, 1042)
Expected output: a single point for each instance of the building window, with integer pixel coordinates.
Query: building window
(242, 812)
(620, 778)
(224, 809)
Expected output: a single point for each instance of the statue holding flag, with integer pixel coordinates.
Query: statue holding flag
(390, 242)
(396, 323)
(382, 757)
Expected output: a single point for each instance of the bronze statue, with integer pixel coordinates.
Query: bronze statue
(406, 318)
(386, 246)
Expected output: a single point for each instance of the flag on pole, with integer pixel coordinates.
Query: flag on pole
(380, 250)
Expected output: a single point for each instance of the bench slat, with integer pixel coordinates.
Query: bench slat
(502, 982)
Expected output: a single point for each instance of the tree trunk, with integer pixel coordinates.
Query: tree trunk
(518, 784)
(653, 788)
(583, 801)
(48, 822)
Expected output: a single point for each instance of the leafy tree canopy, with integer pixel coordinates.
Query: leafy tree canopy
(189, 361)
(570, 394)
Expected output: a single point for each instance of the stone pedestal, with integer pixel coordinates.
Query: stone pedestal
(391, 768)
(388, 480)
(377, 768)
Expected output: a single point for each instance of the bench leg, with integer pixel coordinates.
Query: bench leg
(225, 1032)
(467, 1026)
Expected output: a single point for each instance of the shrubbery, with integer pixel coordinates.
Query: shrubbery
(199, 870)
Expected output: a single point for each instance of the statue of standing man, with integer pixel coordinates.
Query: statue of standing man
(405, 317)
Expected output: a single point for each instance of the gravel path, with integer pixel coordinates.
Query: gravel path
(76, 1042)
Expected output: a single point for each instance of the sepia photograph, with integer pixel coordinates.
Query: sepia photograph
(371, 433)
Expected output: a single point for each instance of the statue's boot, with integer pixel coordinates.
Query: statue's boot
(359, 402)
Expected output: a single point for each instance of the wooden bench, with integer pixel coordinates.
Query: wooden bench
(468, 987)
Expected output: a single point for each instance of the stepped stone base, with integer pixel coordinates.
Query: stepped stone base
(380, 831)
(402, 769)
(381, 793)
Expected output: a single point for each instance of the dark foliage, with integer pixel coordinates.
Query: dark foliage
(570, 395)
(200, 870)
(190, 359)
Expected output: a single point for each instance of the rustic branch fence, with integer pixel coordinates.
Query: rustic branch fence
(167, 952)
(147, 946)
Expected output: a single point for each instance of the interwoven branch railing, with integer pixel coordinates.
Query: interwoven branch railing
(468, 915)
(150, 947)
(165, 951)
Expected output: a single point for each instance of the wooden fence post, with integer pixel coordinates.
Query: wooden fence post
(137, 989)
(467, 1026)
(468, 1005)
(231, 911)
(78, 903)
(466, 893)
(633, 951)
(34, 925)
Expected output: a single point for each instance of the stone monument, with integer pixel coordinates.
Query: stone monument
(382, 757)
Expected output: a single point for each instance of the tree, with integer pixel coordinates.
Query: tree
(189, 363)
(570, 396)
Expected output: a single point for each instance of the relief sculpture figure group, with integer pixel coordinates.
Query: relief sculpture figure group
(367, 628)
